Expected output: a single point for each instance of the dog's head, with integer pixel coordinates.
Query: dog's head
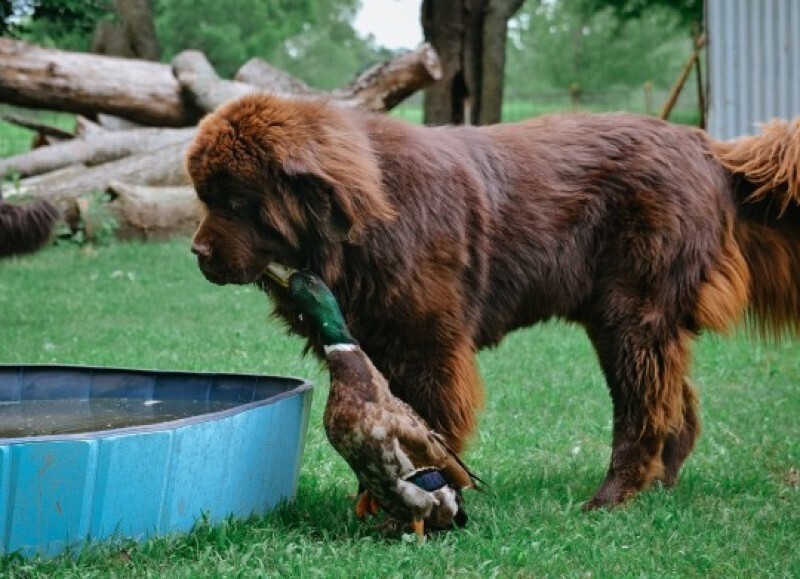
(280, 180)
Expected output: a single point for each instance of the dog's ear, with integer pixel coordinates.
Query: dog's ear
(343, 179)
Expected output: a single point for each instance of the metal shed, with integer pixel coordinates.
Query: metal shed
(753, 64)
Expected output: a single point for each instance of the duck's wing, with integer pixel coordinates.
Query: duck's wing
(456, 467)
(426, 449)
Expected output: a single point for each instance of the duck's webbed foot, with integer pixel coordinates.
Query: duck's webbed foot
(366, 505)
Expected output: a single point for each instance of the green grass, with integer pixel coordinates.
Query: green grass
(543, 443)
(15, 140)
(519, 110)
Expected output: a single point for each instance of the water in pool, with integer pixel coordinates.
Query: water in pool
(43, 417)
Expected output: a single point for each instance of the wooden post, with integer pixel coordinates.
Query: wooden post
(701, 95)
(678, 86)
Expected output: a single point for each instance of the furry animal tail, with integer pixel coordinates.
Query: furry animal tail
(765, 175)
(25, 227)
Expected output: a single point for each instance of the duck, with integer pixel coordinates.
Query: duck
(403, 466)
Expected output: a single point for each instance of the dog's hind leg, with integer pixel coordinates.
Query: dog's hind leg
(679, 444)
(644, 359)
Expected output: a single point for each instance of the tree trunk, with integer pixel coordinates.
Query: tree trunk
(132, 35)
(443, 26)
(470, 38)
(493, 62)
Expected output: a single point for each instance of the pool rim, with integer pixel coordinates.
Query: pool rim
(301, 385)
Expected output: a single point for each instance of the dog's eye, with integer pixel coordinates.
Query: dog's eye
(236, 203)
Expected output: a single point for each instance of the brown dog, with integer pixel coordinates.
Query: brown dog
(439, 241)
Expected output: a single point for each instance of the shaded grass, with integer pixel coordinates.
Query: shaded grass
(15, 139)
(520, 110)
(542, 447)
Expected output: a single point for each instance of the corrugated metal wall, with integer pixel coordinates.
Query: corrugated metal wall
(753, 63)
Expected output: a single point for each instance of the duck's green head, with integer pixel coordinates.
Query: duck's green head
(312, 298)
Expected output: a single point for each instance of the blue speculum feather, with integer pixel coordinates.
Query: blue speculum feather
(429, 480)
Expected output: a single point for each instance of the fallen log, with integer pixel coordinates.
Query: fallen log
(112, 123)
(379, 88)
(87, 129)
(150, 213)
(132, 212)
(161, 167)
(149, 93)
(100, 147)
(45, 78)
(385, 85)
(262, 74)
(201, 84)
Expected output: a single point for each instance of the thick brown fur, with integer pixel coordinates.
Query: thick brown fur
(439, 241)
(25, 227)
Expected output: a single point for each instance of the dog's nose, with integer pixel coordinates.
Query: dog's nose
(201, 249)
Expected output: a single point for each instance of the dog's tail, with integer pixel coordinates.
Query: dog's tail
(765, 176)
(25, 227)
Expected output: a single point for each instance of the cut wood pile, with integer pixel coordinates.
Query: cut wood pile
(135, 118)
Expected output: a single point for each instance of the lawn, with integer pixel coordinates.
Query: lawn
(15, 139)
(521, 109)
(543, 443)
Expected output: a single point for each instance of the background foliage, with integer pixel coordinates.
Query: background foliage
(560, 45)
(554, 45)
(66, 24)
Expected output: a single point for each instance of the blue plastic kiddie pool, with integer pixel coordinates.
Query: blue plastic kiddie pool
(90, 453)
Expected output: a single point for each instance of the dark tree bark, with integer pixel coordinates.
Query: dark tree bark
(131, 35)
(443, 26)
(470, 38)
